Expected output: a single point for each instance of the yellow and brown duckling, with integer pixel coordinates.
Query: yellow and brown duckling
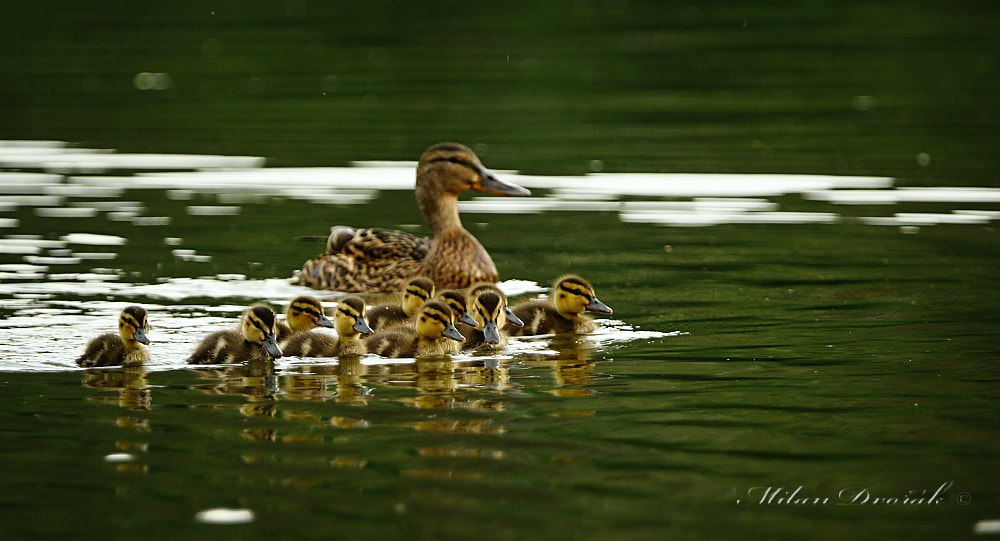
(464, 321)
(477, 289)
(350, 324)
(572, 296)
(429, 335)
(123, 348)
(381, 260)
(304, 313)
(417, 291)
(489, 309)
(254, 340)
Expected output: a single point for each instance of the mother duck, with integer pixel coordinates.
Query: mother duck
(382, 260)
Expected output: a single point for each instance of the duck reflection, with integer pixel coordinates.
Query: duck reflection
(255, 380)
(571, 366)
(129, 381)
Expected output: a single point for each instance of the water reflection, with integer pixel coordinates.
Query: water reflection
(132, 391)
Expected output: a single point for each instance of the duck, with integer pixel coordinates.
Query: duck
(489, 311)
(382, 260)
(479, 288)
(304, 313)
(123, 348)
(417, 291)
(350, 324)
(427, 336)
(572, 296)
(254, 340)
(464, 321)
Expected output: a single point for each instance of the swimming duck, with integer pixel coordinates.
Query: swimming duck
(110, 349)
(348, 320)
(381, 260)
(254, 340)
(426, 337)
(489, 311)
(464, 322)
(415, 294)
(304, 313)
(564, 313)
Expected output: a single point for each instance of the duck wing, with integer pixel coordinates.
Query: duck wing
(376, 243)
(366, 260)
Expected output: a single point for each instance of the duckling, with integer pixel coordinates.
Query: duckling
(304, 313)
(428, 336)
(415, 294)
(488, 309)
(348, 320)
(464, 321)
(512, 318)
(110, 349)
(380, 260)
(253, 341)
(564, 313)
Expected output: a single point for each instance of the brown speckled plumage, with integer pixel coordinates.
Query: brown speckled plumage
(381, 260)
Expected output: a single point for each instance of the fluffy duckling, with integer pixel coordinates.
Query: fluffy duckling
(464, 321)
(348, 320)
(253, 341)
(512, 318)
(110, 349)
(380, 260)
(564, 313)
(417, 291)
(304, 313)
(428, 336)
(489, 311)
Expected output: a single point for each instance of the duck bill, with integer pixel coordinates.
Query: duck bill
(468, 320)
(491, 334)
(271, 346)
(324, 321)
(140, 336)
(492, 185)
(512, 318)
(597, 306)
(362, 327)
(451, 332)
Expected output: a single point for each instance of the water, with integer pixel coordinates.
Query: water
(792, 210)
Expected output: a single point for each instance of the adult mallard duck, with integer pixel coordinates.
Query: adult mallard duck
(381, 260)
(428, 336)
(253, 341)
(417, 291)
(563, 313)
(348, 320)
(110, 349)
(304, 313)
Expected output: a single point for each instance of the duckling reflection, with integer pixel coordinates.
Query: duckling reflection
(417, 291)
(255, 380)
(572, 369)
(563, 313)
(304, 313)
(124, 348)
(129, 381)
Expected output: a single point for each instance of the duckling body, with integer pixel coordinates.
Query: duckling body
(304, 313)
(572, 296)
(380, 260)
(426, 337)
(349, 321)
(123, 348)
(254, 340)
(415, 294)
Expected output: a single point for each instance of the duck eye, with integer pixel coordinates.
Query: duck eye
(453, 159)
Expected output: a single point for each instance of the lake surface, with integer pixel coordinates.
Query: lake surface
(791, 208)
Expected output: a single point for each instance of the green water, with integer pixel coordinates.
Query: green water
(842, 358)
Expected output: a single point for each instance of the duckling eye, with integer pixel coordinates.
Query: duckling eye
(454, 160)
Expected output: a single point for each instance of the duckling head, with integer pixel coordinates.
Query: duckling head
(416, 293)
(259, 327)
(305, 313)
(459, 306)
(132, 325)
(452, 168)
(350, 319)
(436, 321)
(508, 313)
(573, 296)
(488, 311)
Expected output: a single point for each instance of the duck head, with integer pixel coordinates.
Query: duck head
(305, 313)
(259, 327)
(132, 325)
(573, 295)
(350, 319)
